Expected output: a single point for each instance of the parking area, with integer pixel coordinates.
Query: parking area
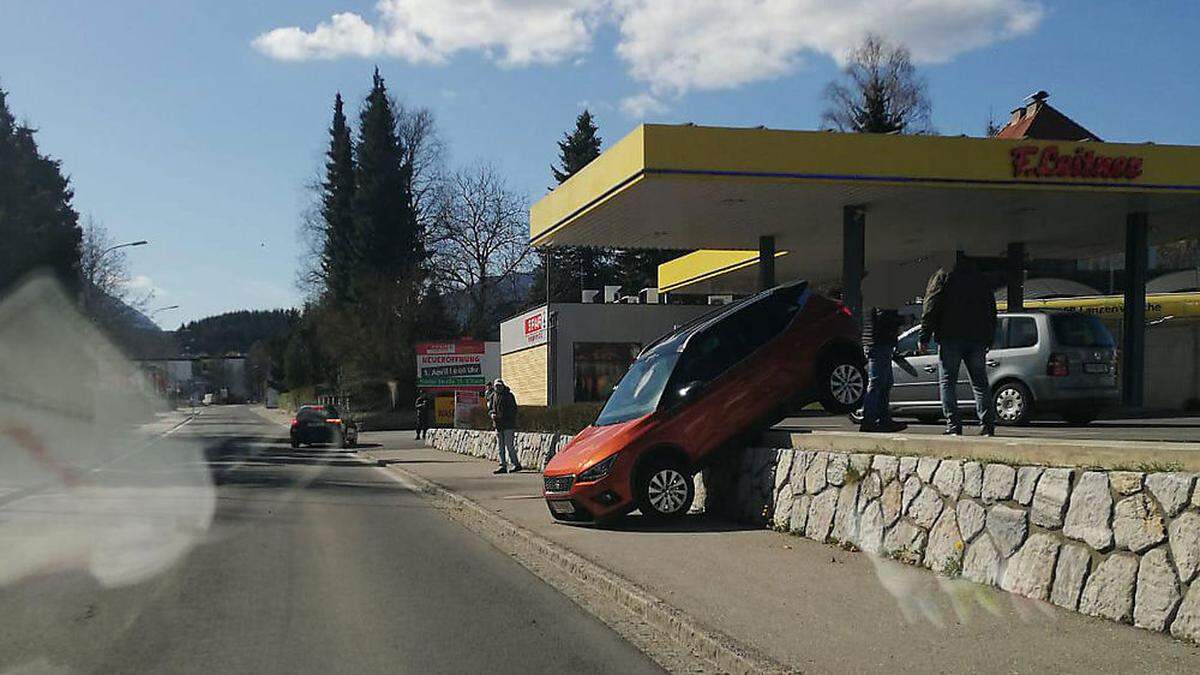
(1180, 429)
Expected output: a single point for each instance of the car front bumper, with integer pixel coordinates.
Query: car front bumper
(586, 502)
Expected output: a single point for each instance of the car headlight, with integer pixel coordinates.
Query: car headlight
(598, 470)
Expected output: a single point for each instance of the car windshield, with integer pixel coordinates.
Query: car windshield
(639, 391)
(1081, 330)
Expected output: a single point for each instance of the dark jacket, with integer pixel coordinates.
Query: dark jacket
(422, 405)
(959, 305)
(885, 326)
(504, 408)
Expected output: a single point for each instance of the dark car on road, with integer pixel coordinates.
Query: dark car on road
(315, 424)
(700, 389)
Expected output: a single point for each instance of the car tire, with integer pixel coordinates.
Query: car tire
(1081, 417)
(1012, 404)
(295, 443)
(665, 490)
(841, 383)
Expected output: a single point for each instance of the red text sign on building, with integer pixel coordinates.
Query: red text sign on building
(1030, 161)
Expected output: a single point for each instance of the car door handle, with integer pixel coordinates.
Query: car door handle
(930, 369)
(992, 363)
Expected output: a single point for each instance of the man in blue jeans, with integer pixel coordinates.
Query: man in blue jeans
(877, 414)
(960, 313)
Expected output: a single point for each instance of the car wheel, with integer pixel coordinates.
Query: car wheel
(665, 490)
(1081, 417)
(295, 443)
(1012, 403)
(842, 381)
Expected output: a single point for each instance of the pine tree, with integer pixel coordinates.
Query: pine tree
(573, 268)
(383, 215)
(638, 268)
(40, 228)
(340, 254)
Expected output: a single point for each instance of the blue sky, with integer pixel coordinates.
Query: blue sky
(179, 124)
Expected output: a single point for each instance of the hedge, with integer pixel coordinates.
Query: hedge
(564, 419)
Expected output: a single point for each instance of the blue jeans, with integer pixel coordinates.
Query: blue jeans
(504, 439)
(951, 354)
(877, 401)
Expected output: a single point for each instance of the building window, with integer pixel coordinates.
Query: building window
(599, 366)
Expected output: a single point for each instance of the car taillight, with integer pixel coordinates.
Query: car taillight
(333, 420)
(294, 422)
(1057, 366)
(845, 311)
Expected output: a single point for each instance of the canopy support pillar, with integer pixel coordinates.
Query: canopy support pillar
(766, 263)
(1133, 328)
(854, 254)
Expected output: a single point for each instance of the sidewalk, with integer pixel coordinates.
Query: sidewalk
(833, 610)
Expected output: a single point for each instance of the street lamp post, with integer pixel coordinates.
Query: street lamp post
(87, 287)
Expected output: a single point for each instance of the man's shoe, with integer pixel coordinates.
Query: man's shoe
(891, 427)
(953, 432)
(501, 470)
(987, 430)
(518, 468)
(868, 427)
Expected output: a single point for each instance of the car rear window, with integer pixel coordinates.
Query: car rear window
(1080, 330)
(311, 414)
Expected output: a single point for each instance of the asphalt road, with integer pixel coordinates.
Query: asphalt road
(314, 562)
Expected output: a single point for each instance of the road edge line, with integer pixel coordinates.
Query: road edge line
(722, 651)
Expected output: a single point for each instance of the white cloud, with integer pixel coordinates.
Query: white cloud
(510, 32)
(669, 46)
(140, 285)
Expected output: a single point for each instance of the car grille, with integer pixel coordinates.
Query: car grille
(559, 483)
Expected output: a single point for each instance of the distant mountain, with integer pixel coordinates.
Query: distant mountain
(234, 331)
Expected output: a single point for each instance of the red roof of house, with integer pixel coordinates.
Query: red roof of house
(1039, 120)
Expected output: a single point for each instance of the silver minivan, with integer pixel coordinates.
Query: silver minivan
(1062, 363)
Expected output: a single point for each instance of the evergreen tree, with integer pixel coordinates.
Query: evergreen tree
(436, 323)
(37, 223)
(390, 241)
(638, 268)
(340, 254)
(573, 268)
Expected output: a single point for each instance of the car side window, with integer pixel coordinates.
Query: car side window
(1000, 339)
(1022, 332)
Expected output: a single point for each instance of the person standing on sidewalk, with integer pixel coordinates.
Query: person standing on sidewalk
(423, 405)
(504, 416)
(877, 413)
(960, 313)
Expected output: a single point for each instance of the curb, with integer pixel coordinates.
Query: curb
(724, 653)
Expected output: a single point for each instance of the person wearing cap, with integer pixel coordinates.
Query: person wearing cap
(423, 406)
(503, 410)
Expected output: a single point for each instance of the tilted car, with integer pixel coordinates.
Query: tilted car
(323, 424)
(1062, 363)
(698, 390)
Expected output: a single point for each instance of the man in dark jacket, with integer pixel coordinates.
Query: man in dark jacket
(877, 414)
(504, 416)
(960, 313)
(424, 406)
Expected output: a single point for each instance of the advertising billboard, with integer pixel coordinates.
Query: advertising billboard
(450, 365)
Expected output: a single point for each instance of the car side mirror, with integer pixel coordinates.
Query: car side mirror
(690, 391)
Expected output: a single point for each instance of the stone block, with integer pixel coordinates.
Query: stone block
(860, 464)
(889, 503)
(1031, 569)
(799, 515)
(912, 487)
(982, 562)
(973, 479)
(1125, 482)
(1088, 515)
(820, 515)
(1008, 527)
(1074, 563)
(814, 477)
(800, 462)
(1157, 593)
(925, 509)
(1108, 592)
(925, 468)
(1138, 523)
(836, 468)
(783, 468)
(1027, 477)
(781, 516)
(870, 488)
(998, 483)
(905, 542)
(1050, 498)
(845, 517)
(1186, 625)
(1172, 490)
(887, 466)
(948, 478)
(944, 552)
(907, 467)
(870, 528)
(971, 518)
(1184, 534)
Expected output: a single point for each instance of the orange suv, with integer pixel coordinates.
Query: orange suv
(698, 390)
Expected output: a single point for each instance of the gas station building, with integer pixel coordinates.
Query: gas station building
(876, 215)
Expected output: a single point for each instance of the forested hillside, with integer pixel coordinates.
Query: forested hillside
(234, 331)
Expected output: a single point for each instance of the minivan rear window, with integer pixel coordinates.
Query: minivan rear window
(1080, 330)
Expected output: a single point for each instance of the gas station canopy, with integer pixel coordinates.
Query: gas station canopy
(722, 189)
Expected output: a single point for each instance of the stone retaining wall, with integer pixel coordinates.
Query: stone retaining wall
(1122, 545)
(532, 449)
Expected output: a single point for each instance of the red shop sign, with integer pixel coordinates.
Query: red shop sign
(1029, 161)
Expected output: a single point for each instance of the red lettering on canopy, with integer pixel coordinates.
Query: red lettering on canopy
(1030, 161)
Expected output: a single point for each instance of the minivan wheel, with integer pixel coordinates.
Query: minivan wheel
(1012, 404)
(665, 490)
(842, 381)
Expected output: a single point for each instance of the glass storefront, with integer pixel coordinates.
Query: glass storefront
(599, 366)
